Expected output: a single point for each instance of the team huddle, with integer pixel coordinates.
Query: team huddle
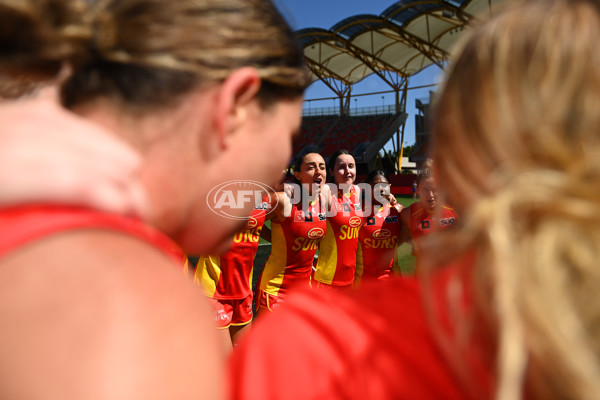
(322, 235)
(127, 118)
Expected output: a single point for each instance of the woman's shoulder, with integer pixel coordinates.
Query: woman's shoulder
(374, 342)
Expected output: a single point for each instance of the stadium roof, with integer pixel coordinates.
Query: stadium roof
(404, 39)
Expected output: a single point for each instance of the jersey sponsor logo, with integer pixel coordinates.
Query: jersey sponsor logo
(355, 221)
(316, 233)
(299, 216)
(221, 315)
(252, 223)
(382, 234)
(447, 221)
(262, 206)
(346, 207)
(425, 224)
(231, 199)
(357, 206)
(391, 219)
(371, 221)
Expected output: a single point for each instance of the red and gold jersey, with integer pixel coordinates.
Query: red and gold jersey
(229, 276)
(377, 242)
(423, 222)
(337, 251)
(22, 225)
(294, 244)
(386, 340)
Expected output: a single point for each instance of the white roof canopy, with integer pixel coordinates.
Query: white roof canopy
(403, 40)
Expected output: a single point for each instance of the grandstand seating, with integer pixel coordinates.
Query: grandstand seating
(326, 134)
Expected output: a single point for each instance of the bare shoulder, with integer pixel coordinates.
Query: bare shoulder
(110, 315)
(282, 205)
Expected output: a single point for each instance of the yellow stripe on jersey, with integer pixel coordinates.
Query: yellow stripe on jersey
(274, 270)
(208, 274)
(327, 263)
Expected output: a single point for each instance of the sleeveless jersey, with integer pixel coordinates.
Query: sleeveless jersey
(422, 222)
(229, 276)
(337, 252)
(294, 244)
(25, 224)
(377, 242)
(390, 339)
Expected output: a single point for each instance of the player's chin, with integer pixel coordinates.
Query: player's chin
(214, 236)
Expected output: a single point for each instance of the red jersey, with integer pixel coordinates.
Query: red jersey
(377, 242)
(337, 251)
(377, 342)
(24, 224)
(423, 222)
(294, 244)
(229, 276)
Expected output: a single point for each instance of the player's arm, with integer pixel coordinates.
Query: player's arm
(280, 207)
(404, 229)
(395, 264)
(326, 197)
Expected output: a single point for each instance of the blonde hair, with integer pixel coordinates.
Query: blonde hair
(148, 52)
(426, 170)
(517, 152)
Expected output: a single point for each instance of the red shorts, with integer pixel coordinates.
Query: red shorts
(269, 302)
(232, 312)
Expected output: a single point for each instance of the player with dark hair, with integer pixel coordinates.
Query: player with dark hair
(379, 236)
(336, 265)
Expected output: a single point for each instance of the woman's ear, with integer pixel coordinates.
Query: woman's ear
(236, 96)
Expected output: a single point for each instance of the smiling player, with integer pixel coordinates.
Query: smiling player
(427, 215)
(379, 236)
(337, 252)
(295, 236)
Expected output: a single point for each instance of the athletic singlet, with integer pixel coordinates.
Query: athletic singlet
(380, 341)
(294, 244)
(422, 223)
(337, 252)
(25, 224)
(229, 276)
(377, 242)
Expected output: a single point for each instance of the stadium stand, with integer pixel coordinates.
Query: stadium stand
(326, 134)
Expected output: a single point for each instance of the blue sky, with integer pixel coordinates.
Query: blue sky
(324, 14)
